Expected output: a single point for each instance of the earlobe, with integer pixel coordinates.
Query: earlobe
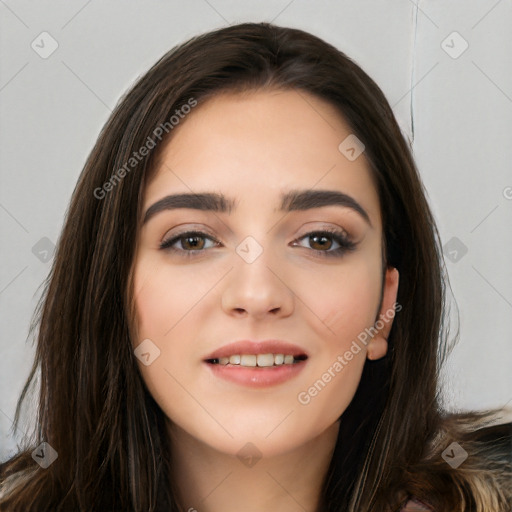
(377, 348)
(378, 345)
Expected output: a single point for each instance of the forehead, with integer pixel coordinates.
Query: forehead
(254, 146)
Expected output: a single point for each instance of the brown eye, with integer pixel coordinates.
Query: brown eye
(192, 243)
(322, 242)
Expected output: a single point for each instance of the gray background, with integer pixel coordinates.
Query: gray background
(456, 107)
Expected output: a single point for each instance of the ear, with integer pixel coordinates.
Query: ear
(378, 345)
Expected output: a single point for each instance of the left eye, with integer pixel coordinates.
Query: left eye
(192, 244)
(318, 238)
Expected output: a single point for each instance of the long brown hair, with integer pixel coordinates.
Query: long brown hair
(93, 406)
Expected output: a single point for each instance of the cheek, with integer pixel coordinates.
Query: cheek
(169, 302)
(346, 302)
(165, 298)
(160, 314)
(155, 306)
(161, 306)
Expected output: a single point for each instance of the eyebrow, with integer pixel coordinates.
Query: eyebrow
(290, 201)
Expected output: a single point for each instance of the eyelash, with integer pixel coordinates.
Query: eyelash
(346, 245)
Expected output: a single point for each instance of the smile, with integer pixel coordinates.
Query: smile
(258, 360)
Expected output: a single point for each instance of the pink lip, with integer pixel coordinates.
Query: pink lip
(257, 347)
(256, 377)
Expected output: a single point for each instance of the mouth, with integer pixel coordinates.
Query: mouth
(257, 364)
(258, 360)
(257, 353)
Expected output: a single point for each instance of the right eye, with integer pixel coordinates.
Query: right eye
(190, 243)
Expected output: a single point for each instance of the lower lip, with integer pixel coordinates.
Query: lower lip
(257, 377)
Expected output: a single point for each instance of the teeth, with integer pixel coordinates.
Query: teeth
(265, 359)
(248, 360)
(252, 360)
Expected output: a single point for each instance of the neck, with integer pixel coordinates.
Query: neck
(210, 481)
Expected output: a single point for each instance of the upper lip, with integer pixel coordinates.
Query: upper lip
(257, 347)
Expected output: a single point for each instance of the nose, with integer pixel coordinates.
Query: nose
(260, 289)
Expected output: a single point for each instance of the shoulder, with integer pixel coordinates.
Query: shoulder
(493, 444)
(481, 474)
(486, 437)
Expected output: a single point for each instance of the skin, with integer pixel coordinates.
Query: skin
(253, 147)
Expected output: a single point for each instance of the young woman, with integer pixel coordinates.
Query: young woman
(247, 308)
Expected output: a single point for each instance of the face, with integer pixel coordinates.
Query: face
(305, 271)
